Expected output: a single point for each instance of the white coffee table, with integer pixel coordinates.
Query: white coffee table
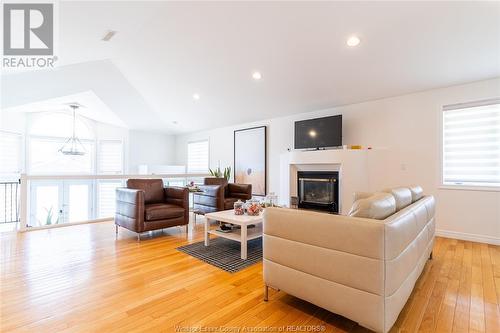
(242, 235)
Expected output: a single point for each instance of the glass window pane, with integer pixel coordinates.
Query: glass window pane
(47, 205)
(106, 198)
(78, 203)
(46, 159)
(198, 157)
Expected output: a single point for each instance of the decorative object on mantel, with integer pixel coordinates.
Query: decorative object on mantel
(73, 146)
(250, 158)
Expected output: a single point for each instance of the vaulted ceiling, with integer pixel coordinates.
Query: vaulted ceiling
(164, 52)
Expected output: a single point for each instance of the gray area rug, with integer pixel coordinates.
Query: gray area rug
(225, 253)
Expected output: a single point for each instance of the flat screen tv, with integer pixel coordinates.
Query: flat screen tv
(318, 133)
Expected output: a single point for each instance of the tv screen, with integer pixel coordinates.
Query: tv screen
(318, 133)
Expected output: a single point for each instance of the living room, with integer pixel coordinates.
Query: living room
(250, 166)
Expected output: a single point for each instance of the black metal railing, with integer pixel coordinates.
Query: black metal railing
(9, 202)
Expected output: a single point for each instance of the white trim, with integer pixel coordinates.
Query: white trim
(52, 226)
(468, 237)
(101, 177)
(469, 188)
(467, 105)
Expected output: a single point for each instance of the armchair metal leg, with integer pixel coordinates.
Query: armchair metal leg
(116, 229)
(266, 293)
(187, 229)
(138, 237)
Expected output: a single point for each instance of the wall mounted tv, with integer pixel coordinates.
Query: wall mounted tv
(318, 133)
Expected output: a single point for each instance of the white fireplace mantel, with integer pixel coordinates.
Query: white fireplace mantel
(352, 166)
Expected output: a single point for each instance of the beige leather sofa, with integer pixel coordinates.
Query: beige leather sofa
(361, 268)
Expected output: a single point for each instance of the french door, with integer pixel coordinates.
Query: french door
(60, 201)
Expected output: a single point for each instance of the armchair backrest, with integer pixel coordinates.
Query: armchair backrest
(153, 189)
(215, 181)
(240, 191)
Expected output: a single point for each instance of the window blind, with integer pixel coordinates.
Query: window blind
(197, 157)
(10, 153)
(106, 198)
(471, 144)
(110, 157)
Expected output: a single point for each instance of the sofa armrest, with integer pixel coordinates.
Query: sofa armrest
(329, 249)
(212, 190)
(131, 196)
(240, 191)
(358, 236)
(215, 191)
(130, 209)
(178, 196)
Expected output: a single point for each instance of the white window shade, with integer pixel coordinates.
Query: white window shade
(197, 157)
(106, 198)
(10, 153)
(471, 144)
(110, 157)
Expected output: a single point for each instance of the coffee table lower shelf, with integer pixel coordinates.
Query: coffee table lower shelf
(242, 235)
(235, 235)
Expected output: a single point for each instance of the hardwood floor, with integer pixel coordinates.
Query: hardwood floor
(81, 279)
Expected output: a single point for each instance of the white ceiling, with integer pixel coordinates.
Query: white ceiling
(169, 50)
(92, 107)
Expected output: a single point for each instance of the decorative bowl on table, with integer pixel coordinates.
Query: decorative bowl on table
(253, 208)
(238, 208)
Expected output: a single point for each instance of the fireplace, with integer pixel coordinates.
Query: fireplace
(318, 190)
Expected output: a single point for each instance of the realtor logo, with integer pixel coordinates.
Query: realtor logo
(28, 29)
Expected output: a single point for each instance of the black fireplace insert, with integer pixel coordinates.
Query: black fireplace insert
(318, 190)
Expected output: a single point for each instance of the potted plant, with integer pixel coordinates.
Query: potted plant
(218, 173)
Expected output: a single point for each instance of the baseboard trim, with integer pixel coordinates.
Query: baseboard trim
(62, 225)
(468, 237)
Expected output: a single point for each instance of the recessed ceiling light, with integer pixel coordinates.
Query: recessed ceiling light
(196, 97)
(109, 34)
(353, 41)
(256, 76)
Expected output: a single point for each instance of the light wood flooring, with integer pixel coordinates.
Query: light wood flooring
(82, 279)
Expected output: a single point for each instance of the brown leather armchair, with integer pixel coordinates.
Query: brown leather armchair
(217, 194)
(146, 205)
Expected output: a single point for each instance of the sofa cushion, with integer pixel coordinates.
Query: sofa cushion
(377, 206)
(154, 212)
(402, 196)
(153, 189)
(416, 193)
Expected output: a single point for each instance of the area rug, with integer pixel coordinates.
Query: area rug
(225, 253)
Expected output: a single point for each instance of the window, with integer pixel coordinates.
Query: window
(471, 144)
(197, 157)
(45, 157)
(106, 197)
(110, 157)
(47, 133)
(10, 153)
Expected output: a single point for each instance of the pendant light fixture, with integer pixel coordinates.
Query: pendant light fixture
(73, 146)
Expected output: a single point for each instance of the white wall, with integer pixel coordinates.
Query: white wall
(151, 149)
(409, 127)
